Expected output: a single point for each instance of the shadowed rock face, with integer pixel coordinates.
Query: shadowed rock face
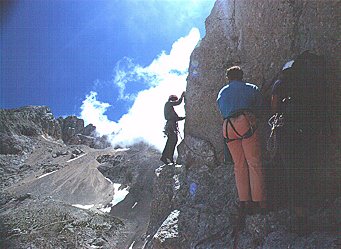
(259, 36)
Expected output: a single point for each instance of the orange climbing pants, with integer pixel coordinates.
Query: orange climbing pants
(247, 158)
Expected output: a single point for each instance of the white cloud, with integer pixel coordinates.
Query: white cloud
(92, 111)
(176, 63)
(144, 121)
(125, 72)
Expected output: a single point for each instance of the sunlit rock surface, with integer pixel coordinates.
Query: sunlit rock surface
(168, 233)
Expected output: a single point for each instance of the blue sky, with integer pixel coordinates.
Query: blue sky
(66, 54)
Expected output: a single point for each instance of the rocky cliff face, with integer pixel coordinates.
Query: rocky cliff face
(260, 36)
(16, 125)
(29, 121)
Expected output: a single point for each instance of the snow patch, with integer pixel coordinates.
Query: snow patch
(132, 244)
(146, 241)
(106, 178)
(122, 149)
(134, 205)
(50, 139)
(83, 206)
(47, 174)
(158, 170)
(119, 195)
(76, 158)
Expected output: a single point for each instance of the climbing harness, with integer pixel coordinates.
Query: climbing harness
(170, 127)
(248, 134)
(275, 121)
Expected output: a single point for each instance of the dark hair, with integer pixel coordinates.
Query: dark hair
(173, 98)
(234, 73)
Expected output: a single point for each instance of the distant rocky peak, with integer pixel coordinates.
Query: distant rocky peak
(33, 121)
(29, 121)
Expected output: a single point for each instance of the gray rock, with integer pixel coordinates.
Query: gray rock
(167, 235)
(46, 223)
(89, 130)
(32, 121)
(163, 194)
(260, 36)
(71, 126)
(193, 150)
(29, 121)
(12, 144)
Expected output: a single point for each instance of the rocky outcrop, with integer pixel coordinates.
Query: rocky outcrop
(168, 234)
(13, 144)
(125, 166)
(29, 121)
(16, 125)
(28, 222)
(72, 126)
(74, 132)
(163, 225)
(260, 36)
(199, 210)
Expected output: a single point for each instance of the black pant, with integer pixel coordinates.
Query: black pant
(172, 139)
(299, 151)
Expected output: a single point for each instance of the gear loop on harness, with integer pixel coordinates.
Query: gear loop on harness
(275, 121)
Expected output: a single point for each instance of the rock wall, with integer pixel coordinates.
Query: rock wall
(259, 36)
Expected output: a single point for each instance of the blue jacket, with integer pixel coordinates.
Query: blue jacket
(237, 96)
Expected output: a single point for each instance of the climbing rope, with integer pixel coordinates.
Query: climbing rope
(194, 152)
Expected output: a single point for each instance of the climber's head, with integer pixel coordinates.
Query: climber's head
(234, 73)
(172, 98)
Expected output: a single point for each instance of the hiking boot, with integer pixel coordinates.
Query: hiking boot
(238, 218)
(300, 226)
(261, 207)
(246, 207)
